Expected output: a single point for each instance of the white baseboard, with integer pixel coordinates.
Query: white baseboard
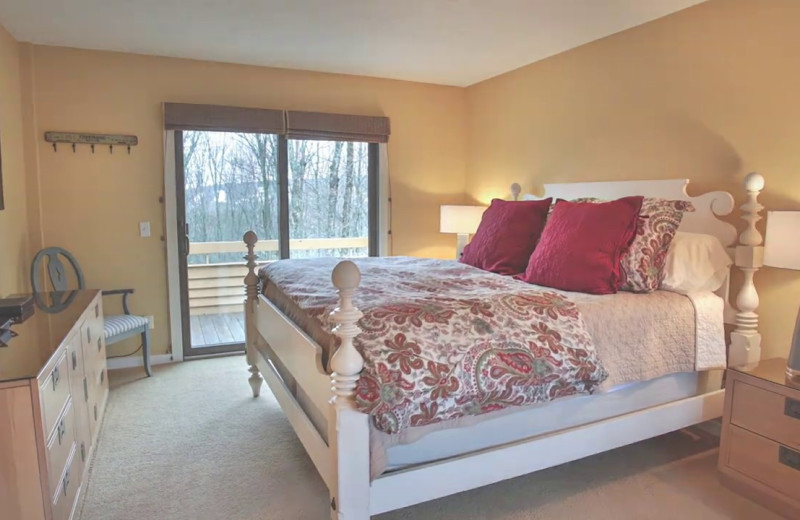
(136, 361)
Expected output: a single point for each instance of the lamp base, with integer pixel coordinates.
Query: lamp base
(793, 361)
(463, 239)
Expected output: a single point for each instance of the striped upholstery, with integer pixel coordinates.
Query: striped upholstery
(114, 325)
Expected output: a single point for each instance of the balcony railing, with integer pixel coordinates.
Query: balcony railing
(219, 287)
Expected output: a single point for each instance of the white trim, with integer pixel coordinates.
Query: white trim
(136, 360)
(173, 260)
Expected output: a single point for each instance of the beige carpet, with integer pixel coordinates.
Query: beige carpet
(191, 443)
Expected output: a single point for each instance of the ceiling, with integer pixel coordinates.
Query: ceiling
(450, 42)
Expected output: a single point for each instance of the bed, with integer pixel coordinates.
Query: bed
(370, 470)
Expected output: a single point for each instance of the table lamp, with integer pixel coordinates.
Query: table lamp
(462, 220)
(782, 249)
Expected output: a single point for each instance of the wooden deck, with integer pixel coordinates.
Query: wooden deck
(217, 329)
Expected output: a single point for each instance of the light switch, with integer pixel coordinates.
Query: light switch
(144, 229)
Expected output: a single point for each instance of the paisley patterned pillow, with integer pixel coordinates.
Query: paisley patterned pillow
(642, 266)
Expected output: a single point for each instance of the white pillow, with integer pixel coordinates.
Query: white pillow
(695, 262)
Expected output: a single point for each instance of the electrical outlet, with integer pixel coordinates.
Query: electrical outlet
(152, 321)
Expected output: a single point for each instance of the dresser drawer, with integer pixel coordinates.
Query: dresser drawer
(69, 485)
(765, 461)
(770, 414)
(54, 391)
(60, 445)
(92, 335)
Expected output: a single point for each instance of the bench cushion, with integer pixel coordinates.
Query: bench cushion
(115, 325)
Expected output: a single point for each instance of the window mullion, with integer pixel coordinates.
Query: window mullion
(283, 196)
(373, 199)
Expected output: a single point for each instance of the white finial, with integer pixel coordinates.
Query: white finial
(346, 275)
(346, 363)
(751, 210)
(754, 181)
(251, 279)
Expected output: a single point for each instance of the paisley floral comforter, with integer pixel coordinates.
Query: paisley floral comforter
(442, 340)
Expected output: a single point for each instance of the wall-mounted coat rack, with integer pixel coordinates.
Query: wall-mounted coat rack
(74, 138)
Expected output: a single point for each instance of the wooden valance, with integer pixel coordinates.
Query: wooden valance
(336, 127)
(184, 116)
(292, 123)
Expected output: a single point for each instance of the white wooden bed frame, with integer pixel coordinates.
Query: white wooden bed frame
(321, 409)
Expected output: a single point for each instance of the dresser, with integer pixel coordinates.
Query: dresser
(53, 391)
(760, 446)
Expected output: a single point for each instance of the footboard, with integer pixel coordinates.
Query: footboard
(291, 362)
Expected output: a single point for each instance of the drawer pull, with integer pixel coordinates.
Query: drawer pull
(85, 391)
(99, 345)
(792, 408)
(102, 376)
(61, 430)
(88, 335)
(56, 377)
(789, 457)
(96, 311)
(83, 452)
(74, 360)
(95, 412)
(66, 482)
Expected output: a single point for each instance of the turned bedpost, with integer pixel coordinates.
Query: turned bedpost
(745, 339)
(348, 429)
(250, 303)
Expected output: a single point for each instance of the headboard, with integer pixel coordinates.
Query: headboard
(747, 251)
(704, 219)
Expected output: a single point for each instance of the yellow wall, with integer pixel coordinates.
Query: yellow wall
(709, 93)
(91, 204)
(14, 246)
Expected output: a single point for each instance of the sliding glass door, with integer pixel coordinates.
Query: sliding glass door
(304, 198)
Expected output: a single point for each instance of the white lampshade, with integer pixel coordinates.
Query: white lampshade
(782, 246)
(460, 219)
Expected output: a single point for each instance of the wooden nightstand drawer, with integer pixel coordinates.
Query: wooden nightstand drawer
(773, 415)
(765, 461)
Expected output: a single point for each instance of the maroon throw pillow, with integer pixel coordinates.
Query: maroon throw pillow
(581, 246)
(507, 235)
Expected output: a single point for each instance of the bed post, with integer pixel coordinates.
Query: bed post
(348, 429)
(745, 339)
(251, 292)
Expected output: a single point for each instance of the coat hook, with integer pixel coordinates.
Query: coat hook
(92, 148)
(55, 147)
(73, 147)
(111, 148)
(129, 149)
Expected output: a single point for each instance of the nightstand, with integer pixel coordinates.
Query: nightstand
(759, 454)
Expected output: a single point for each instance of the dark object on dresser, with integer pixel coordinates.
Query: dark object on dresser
(13, 310)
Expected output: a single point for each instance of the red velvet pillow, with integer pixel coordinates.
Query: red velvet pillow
(506, 236)
(581, 245)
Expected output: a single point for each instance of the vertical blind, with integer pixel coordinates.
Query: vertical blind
(292, 123)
